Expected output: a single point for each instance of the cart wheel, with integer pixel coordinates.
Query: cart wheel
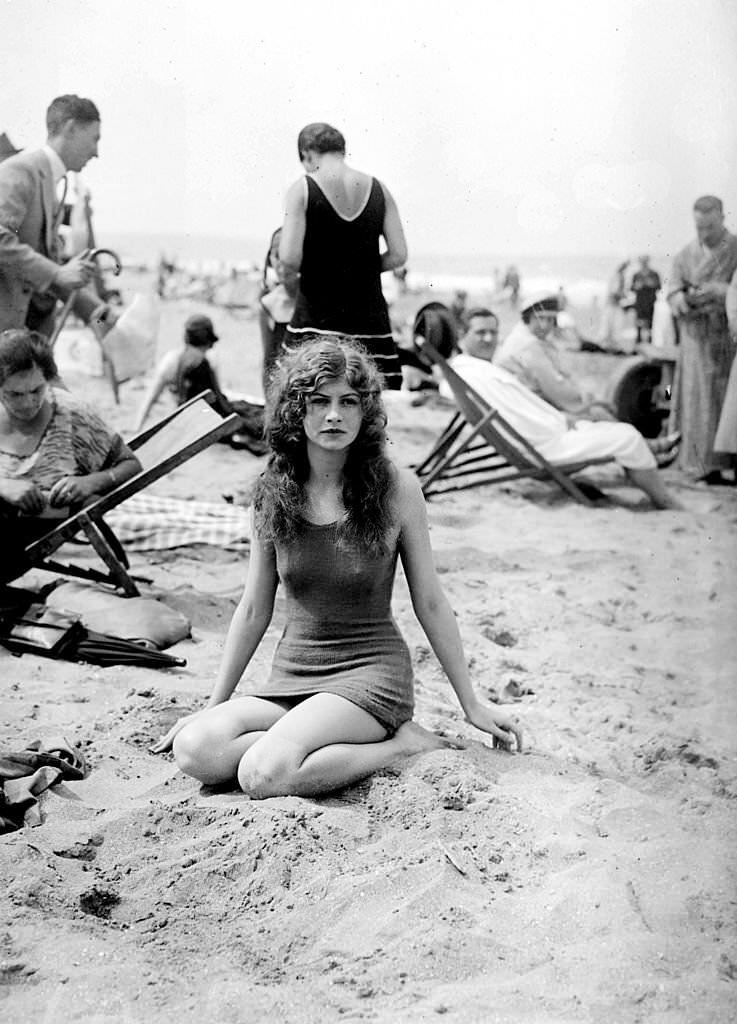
(633, 393)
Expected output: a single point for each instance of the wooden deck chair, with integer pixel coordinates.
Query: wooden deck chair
(479, 446)
(192, 427)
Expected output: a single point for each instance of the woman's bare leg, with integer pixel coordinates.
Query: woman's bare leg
(324, 743)
(211, 747)
(649, 481)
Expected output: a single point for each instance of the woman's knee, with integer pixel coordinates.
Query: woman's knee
(264, 772)
(191, 751)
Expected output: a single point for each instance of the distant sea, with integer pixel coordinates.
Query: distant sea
(583, 276)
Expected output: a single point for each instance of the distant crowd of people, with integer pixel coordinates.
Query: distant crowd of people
(332, 514)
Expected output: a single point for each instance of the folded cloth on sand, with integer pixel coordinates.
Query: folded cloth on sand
(57, 753)
(143, 619)
(25, 774)
(148, 523)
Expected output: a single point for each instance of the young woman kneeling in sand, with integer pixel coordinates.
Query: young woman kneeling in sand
(331, 515)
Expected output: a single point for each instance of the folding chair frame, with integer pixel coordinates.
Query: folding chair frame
(479, 446)
(91, 523)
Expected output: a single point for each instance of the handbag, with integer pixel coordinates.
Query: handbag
(41, 630)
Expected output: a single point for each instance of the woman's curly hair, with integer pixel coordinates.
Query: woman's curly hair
(280, 497)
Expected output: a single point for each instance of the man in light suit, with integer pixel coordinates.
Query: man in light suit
(32, 279)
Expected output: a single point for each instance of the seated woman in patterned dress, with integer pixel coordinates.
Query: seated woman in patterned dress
(331, 517)
(56, 453)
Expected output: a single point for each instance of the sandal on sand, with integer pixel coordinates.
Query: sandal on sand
(59, 753)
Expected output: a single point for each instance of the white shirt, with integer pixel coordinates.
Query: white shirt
(531, 416)
(57, 164)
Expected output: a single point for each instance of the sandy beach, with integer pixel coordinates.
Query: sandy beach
(591, 878)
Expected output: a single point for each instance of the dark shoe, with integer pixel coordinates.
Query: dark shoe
(255, 445)
(713, 478)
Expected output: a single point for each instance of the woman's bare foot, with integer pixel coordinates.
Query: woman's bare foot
(413, 739)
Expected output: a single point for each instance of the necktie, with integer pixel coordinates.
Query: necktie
(59, 210)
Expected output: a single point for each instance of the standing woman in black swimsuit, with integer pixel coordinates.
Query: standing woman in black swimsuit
(330, 250)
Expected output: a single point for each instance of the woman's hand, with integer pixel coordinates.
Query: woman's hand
(25, 495)
(505, 729)
(70, 490)
(166, 741)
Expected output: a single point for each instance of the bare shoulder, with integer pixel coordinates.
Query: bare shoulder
(167, 366)
(387, 194)
(408, 496)
(297, 189)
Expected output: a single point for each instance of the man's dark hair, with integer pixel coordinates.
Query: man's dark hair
(480, 311)
(320, 138)
(69, 108)
(708, 204)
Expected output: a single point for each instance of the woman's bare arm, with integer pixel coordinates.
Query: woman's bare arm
(164, 376)
(435, 614)
(247, 627)
(393, 232)
(293, 236)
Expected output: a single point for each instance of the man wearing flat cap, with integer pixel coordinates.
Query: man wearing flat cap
(529, 352)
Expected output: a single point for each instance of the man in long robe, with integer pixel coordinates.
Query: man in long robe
(697, 296)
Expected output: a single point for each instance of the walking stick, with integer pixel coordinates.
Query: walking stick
(90, 256)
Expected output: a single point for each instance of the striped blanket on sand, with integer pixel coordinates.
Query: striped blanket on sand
(147, 523)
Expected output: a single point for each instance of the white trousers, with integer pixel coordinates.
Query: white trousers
(589, 440)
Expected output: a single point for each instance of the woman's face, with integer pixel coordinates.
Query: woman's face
(23, 394)
(333, 415)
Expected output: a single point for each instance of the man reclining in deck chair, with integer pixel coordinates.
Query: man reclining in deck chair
(530, 353)
(559, 437)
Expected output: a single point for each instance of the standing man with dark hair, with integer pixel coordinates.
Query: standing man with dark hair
(645, 284)
(697, 295)
(330, 250)
(32, 279)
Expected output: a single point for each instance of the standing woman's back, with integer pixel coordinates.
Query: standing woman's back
(340, 285)
(335, 220)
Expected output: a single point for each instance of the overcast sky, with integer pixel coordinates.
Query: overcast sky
(524, 127)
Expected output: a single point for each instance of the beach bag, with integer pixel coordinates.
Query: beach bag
(77, 350)
(131, 343)
(142, 619)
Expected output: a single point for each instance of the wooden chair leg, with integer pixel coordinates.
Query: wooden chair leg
(450, 454)
(446, 439)
(118, 575)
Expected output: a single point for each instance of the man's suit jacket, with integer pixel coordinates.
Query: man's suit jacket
(28, 242)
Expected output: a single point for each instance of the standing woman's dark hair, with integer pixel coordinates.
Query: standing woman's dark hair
(21, 350)
(280, 497)
(320, 138)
